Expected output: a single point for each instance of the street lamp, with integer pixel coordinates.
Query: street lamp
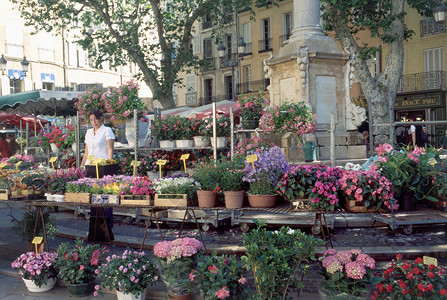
(233, 63)
(439, 12)
(16, 77)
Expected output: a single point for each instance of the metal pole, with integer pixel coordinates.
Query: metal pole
(391, 112)
(214, 132)
(135, 124)
(27, 138)
(370, 127)
(231, 133)
(332, 140)
(78, 142)
(233, 81)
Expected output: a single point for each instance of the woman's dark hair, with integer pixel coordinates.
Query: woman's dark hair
(96, 112)
(2, 135)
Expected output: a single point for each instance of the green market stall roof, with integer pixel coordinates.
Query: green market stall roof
(40, 102)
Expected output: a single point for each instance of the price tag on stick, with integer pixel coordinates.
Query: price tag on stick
(18, 164)
(430, 261)
(36, 241)
(184, 157)
(251, 159)
(2, 165)
(135, 164)
(52, 160)
(161, 162)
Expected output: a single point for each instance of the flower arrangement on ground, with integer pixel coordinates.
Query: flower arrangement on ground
(276, 257)
(219, 277)
(36, 267)
(250, 107)
(176, 260)
(129, 273)
(368, 188)
(289, 117)
(319, 183)
(347, 273)
(222, 126)
(411, 280)
(270, 166)
(78, 263)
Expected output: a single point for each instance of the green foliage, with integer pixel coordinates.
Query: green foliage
(25, 226)
(208, 175)
(125, 32)
(251, 106)
(78, 263)
(231, 174)
(275, 257)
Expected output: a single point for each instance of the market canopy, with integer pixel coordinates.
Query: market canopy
(40, 102)
(222, 107)
(21, 120)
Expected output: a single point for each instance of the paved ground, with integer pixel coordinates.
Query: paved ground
(380, 242)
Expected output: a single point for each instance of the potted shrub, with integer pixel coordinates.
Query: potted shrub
(77, 266)
(411, 280)
(276, 258)
(209, 177)
(250, 109)
(219, 277)
(231, 181)
(222, 129)
(37, 270)
(269, 167)
(128, 274)
(176, 260)
(162, 130)
(184, 132)
(25, 226)
(347, 274)
(199, 137)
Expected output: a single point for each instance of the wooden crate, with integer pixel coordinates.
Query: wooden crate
(77, 197)
(159, 214)
(179, 200)
(136, 200)
(105, 199)
(4, 194)
(178, 214)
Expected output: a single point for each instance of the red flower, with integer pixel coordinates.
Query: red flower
(389, 288)
(380, 287)
(421, 287)
(431, 274)
(410, 275)
(402, 284)
(443, 292)
(399, 256)
(418, 260)
(416, 271)
(404, 291)
(431, 266)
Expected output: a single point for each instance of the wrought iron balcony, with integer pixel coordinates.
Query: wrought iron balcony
(426, 81)
(430, 27)
(265, 45)
(209, 64)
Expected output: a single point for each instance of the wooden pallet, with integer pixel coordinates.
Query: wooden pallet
(136, 200)
(77, 197)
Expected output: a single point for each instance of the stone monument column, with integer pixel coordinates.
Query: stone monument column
(306, 19)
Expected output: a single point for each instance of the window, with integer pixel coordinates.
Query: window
(196, 45)
(265, 43)
(246, 75)
(14, 37)
(287, 25)
(208, 90)
(228, 87)
(229, 44)
(46, 46)
(434, 60)
(48, 86)
(208, 48)
(246, 35)
(190, 82)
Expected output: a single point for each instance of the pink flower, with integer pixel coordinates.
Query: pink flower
(242, 280)
(222, 293)
(81, 267)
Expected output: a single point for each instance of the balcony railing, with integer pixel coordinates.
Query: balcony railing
(209, 64)
(422, 82)
(191, 98)
(252, 86)
(265, 45)
(430, 27)
(211, 99)
(283, 38)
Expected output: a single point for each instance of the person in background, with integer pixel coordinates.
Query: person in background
(424, 136)
(401, 136)
(443, 141)
(13, 145)
(5, 151)
(415, 134)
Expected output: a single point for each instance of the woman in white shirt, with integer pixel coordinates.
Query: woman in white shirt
(99, 140)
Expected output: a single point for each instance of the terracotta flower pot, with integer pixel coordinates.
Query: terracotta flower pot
(262, 201)
(234, 199)
(206, 198)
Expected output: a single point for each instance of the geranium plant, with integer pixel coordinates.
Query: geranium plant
(347, 273)
(36, 267)
(270, 166)
(411, 280)
(250, 107)
(162, 129)
(222, 126)
(176, 260)
(208, 175)
(129, 273)
(296, 118)
(78, 263)
(219, 277)
(137, 186)
(231, 174)
(89, 100)
(276, 258)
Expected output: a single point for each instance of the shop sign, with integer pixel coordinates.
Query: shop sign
(418, 101)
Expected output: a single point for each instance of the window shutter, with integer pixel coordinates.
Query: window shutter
(191, 82)
(196, 45)
(434, 59)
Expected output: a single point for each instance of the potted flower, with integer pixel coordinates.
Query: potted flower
(411, 280)
(231, 181)
(77, 266)
(70, 140)
(269, 167)
(176, 260)
(208, 176)
(250, 109)
(276, 258)
(162, 130)
(128, 274)
(200, 140)
(37, 270)
(184, 133)
(347, 274)
(289, 117)
(219, 277)
(222, 129)
(89, 100)
(26, 225)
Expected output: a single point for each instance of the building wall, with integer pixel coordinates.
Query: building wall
(65, 63)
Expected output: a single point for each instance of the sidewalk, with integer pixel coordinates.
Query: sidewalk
(379, 242)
